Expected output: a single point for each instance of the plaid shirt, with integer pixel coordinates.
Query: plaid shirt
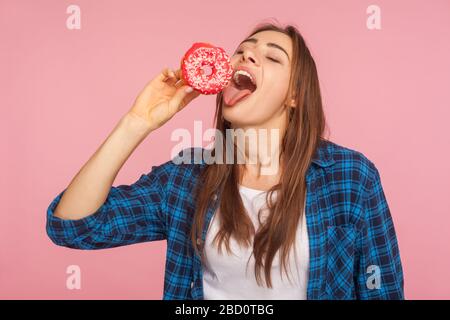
(354, 252)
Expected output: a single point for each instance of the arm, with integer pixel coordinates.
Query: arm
(130, 214)
(158, 102)
(379, 273)
(89, 188)
(90, 213)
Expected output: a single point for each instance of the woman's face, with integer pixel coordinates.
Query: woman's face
(267, 55)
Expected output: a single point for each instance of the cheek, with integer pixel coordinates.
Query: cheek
(234, 60)
(275, 88)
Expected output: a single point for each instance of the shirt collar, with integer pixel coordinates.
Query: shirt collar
(323, 156)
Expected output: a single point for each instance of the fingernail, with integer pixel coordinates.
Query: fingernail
(189, 89)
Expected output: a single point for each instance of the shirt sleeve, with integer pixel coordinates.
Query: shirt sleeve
(130, 214)
(379, 273)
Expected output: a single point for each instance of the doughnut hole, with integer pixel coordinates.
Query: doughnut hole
(206, 69)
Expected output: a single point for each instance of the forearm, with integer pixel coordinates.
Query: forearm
(89, 188)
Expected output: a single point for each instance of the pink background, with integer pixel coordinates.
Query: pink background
(386, 94)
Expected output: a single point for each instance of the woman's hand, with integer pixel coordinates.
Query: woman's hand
(162, 97)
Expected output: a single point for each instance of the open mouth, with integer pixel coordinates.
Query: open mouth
(242, 86)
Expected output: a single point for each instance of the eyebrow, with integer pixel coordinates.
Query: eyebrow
(269, 44)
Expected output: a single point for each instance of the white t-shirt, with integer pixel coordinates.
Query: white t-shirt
(224, 276)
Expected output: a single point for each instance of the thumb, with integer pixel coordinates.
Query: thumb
(181, 98)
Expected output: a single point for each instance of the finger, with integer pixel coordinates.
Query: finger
(179, 76)
(181, 98)
(188, 98)
(171, 78)
(165, 75)
(180, 83)
(178, 73)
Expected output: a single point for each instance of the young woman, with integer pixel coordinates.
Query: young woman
(319, 227)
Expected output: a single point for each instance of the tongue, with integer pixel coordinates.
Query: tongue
(232, 95)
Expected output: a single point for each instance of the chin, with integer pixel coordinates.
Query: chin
(244, 113)
(236, 115)
(240, 122)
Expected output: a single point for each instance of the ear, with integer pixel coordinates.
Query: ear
(292, 103)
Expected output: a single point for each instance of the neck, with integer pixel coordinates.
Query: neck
(258, 149)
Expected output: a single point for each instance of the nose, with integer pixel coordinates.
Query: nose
(249, 55)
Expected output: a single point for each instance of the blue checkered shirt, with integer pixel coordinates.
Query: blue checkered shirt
(354, 252)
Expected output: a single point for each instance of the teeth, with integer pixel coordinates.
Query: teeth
(244, 73)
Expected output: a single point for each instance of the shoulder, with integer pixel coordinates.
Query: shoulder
(348, 163)
(347, 184)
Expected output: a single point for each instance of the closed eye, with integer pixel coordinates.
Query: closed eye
(270, 58)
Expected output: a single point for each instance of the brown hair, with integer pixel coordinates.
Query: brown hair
(302, 136)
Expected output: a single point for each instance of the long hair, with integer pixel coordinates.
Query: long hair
(306, 124)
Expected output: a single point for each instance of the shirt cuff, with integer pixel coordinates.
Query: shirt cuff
(62, 231)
